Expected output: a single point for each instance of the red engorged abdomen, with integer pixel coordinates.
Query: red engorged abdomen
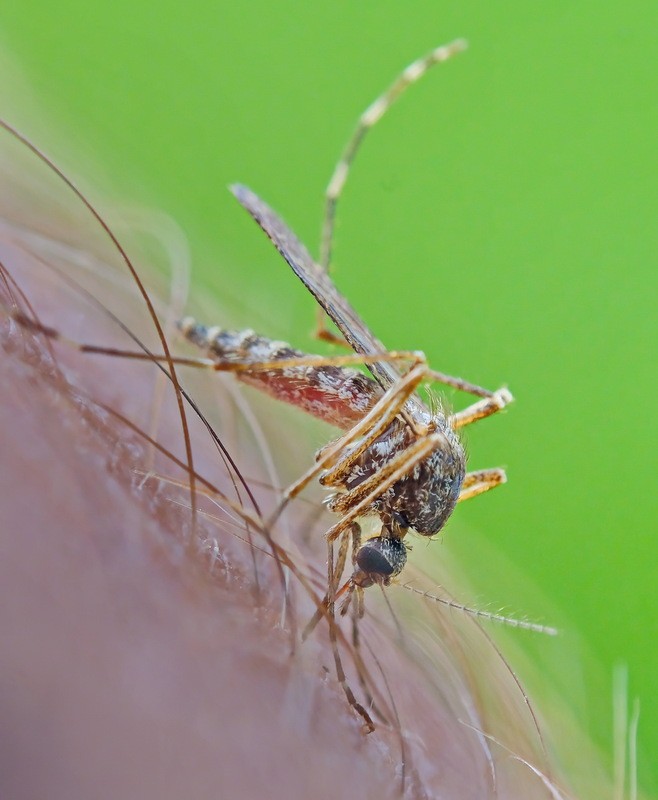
(338, 396)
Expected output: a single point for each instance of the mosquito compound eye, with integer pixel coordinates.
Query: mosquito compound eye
(381, 558)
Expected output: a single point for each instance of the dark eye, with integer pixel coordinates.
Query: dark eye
(382, 557)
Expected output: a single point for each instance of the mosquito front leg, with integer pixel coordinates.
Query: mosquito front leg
(354, 597)
(483, 480)
(368, 120)
(334, 571)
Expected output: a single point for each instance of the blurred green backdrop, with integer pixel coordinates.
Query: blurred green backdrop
(503, 219)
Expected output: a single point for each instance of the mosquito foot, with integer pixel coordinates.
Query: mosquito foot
(503, 397)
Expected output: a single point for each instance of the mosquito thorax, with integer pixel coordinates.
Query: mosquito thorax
(424, 498)
(427, 496)
(378, 560)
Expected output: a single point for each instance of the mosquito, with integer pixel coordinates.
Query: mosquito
(399, 460)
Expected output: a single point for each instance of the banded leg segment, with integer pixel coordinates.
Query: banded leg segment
(368, 119)
(335, 571)
(483, 480)
(491, 404)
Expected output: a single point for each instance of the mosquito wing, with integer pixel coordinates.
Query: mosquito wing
(320, 285)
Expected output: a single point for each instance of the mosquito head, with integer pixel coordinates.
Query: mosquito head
(378, 560)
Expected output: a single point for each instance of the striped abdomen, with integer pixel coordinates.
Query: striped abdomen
(340, 396)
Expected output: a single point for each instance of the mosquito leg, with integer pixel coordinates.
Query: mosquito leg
(357, 603)
(476, 483)
(407, 356)
(483, 408)
(348, 457)
(335, 570)
(354, 600)
(461, 384)
(334, 574)
(323, 334)
(352, 587)
(245, 365)
(369, 725)
(328, 601)
(368, 119)
(326, 608)
(357, 616)
(356, 542)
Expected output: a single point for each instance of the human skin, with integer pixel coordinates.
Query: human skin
(135, 664)
(127, 669)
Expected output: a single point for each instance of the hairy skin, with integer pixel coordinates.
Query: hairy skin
(127, 670)
(135, 665)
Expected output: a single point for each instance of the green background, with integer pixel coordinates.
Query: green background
(502, 219)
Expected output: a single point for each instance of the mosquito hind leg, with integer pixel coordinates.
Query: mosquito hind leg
(231, 363)
(368, 119)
